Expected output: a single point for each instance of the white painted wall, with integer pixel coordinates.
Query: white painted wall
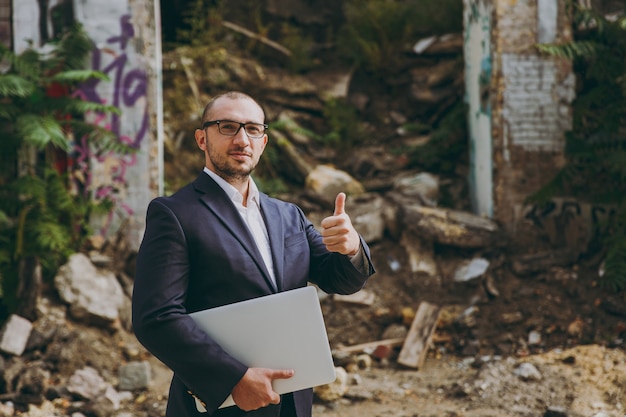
(126, 179)
(536, 105)
(478, 68)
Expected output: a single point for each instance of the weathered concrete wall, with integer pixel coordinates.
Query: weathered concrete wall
(524, 110)
(533, 100)
(127, 49)
(124, 34)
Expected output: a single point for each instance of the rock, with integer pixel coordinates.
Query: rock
(554, 411)
(422, 187)
(471, 269)
(451, 227)
(421, 256)
(87, 383)
(528, 372)
(15, 334)
(336, 389)
(134, 375)
(366, 214)
(32, 384)
(327, 182)
(93, 295)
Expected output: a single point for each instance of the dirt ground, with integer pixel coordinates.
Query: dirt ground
(480, 368)
(482, 364)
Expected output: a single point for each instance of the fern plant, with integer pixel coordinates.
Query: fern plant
(596, 146)
(43, 214)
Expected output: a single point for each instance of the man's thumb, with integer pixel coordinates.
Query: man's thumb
(340, 204)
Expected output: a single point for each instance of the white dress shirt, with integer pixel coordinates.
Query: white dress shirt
(251, 215)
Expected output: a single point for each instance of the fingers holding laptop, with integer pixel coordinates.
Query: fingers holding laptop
(254, 390)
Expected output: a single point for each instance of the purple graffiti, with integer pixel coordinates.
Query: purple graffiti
(129, 89)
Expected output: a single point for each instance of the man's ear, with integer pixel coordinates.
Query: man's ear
(201, 139)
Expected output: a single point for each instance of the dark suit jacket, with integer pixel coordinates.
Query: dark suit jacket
(197, 253)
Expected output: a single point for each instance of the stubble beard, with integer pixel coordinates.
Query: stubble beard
(228, 170)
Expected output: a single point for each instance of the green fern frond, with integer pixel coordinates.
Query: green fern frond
(52, 236)
(72, 49)
(101, 139)
(31, 189)
(572, 50)
(57, 193)
(26, 65)
(40, 131)
(14, 86)
(76, 105)
(79, 76)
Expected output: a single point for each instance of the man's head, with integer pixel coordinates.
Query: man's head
(232, 150)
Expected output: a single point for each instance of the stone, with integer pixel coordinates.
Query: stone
(134, 375)
(15, 334)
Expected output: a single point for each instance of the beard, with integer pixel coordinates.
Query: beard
(230, 170)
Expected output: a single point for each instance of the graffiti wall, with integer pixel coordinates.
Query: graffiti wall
(123, 34)
(569, 223)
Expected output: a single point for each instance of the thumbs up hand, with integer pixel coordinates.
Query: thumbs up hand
(338, 234)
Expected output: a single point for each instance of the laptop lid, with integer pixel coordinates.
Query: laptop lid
(278, 331)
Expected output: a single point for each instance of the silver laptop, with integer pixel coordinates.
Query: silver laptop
(279, 331)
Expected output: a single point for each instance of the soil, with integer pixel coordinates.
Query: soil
(476, 368)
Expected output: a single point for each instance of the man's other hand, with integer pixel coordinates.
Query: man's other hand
(254, 390)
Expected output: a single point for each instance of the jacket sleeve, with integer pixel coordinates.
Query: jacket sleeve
(159, 315)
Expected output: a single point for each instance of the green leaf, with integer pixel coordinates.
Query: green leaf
(15, 86)
(581, 49)
(78, 76)
(41, 131)
(84, 107)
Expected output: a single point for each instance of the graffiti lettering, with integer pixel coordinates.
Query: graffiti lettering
(129, 94)
(570, 223)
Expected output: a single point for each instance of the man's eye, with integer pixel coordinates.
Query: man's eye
(229, 126)
(253, 129)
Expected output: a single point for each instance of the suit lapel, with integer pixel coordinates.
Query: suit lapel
(274, 225)
(218, 202)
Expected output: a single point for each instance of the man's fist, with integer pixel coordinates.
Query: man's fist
(337, 231)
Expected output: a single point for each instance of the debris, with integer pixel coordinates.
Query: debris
(471, 269)
(336, 389)
(528, 372)
(542, 261)
(363, 297)
(370, 346)
(415, 347)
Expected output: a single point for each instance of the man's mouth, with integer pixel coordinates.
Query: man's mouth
(240, 155)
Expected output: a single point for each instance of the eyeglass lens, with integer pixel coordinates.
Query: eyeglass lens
(254, 130)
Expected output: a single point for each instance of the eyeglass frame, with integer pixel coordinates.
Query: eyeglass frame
(217, 122)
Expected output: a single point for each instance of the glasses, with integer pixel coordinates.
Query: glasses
(230, 128)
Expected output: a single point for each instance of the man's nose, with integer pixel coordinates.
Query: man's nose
(241, 137)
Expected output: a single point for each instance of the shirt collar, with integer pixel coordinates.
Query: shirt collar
(233, 193)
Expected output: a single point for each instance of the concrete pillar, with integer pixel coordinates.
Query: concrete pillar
(520, 102)
(478, 21)
(127, 49)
